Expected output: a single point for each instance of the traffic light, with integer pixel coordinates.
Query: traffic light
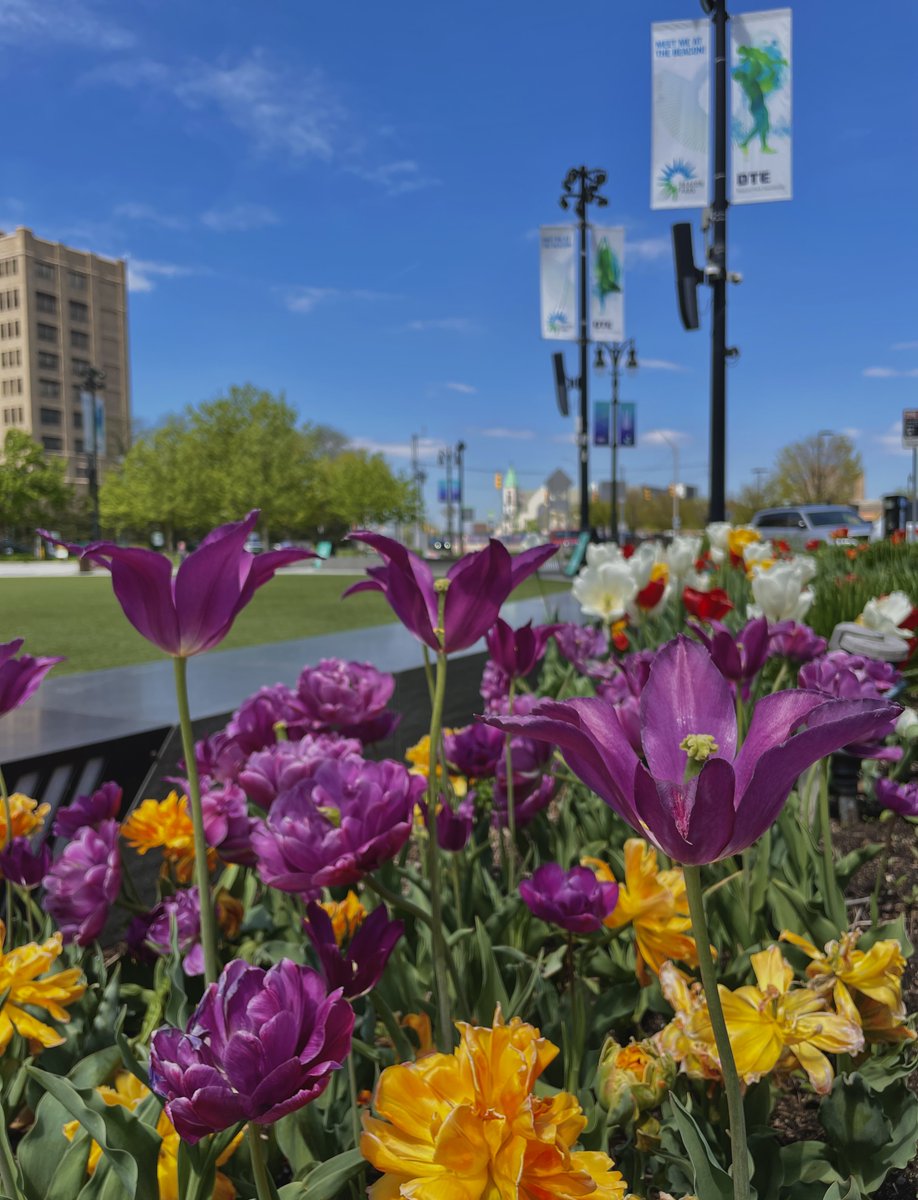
(646, 493)
(672, 489)
(498, 480)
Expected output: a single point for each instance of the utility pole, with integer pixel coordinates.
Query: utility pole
(717, 256)
(93, 382)
(445, 458)
(419, 479)
(589, 181)
(460, 459)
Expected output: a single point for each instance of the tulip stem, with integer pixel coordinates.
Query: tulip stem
(737, 1117)
(511, 807)
(438, 941)
(263, 1188)
(202, 875)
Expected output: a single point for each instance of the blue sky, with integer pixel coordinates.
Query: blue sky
(341, 202)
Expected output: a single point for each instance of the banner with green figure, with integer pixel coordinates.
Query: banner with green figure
(607, 295)
(761, 130)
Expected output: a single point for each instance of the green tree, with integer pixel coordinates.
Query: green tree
(150, 489)
(354, 489)
(33, 488)
(821, 469)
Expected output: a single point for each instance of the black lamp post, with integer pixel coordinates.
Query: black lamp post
(445, 459)
(615, 351)
(460, 452)
(93, 381)
(587, 182)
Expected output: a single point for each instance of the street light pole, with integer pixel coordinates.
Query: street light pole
(589, 181)
(445, 458)
(674, 446)
(93, 381)
(616, 350)
(460, 453)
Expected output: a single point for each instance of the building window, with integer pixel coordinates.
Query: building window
(11, 358)
(49, 389)
(52, 443)
(77, 420)
(9, 329)
(47, 333)
(9, 299)
(79, 340)
(78, 446)
(48, 361)
(46, 303)
(79, 311)
(77, 280)
(49, 416)
(11, 387)
(80, 365)
(9, 266)
(44, 270)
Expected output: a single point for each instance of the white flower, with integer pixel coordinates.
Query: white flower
(718, 532)
(605, 590)
(907, 724)
(642, 563)
(603, 552)
(885, 614)
(681, 554)
(701, 581)
(804, 565)
(759, 554)
(779, 594)
(638, 614)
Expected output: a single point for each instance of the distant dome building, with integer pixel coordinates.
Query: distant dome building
(510, 502)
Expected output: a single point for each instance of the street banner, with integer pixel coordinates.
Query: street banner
(454, 493)
(681, 90)
(607, 297)
(760, 105)
(601, 422)
(559, 291)
(626, 425)
(93, 423)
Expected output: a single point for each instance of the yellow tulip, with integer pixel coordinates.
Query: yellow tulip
(21, 986)
(165, 825)
(346, 916)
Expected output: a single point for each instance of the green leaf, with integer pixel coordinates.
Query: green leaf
(807, 1162)
(849, 1190)
(853, 1119)
(327, 1180)
(710, 1179)
(130, 1146)
(492, 991)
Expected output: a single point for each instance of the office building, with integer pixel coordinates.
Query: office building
(61, 312)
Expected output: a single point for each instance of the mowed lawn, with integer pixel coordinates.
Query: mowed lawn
(80, 618)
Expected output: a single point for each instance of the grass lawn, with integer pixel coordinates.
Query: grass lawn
(80, 618)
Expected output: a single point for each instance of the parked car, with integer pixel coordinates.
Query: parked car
(802, 523)
(254, 544)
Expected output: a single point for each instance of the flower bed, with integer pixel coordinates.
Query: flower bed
(601, 941)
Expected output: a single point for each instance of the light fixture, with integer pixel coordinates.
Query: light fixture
(632, 362)
(599, 362)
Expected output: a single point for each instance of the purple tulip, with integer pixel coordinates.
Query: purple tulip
(227, 824)
(533, 788)
(267, 773)
(475, 750)
(739, 657)
(692, 794)
(260, 1044)
(103, 805)
(849, 676)
(20, 677)
(574, 899)
(495, 685)
(517, 651)
(479, 584)
(194, 611)
(347, 698)
(581, 645)
(454, 825)
(22, 865)
(523, 704)
(83, 884)
(153, 932)
(358, 969)
(253, 724)
(795, 641)
(901, 798)
(331, 829)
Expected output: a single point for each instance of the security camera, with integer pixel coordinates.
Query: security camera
(735, 277)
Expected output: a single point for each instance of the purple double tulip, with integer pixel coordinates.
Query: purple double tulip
(195, 610)
(267, 773)
(84, 883)
(575, 899)
(474, 750)
(696, 794)
(347, 698)
(796, 641)
(478, 584)
(22, 865)
(260, 1044)
(582, 645)
(20, 677)
(103, 805)
(901, 798)
(152, 932)
(357, 969)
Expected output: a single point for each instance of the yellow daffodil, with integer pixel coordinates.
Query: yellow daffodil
(688, 1038)
(166, 825)
(869, 980)
(345, 915)
(21, 986)
(419, 757)
(772, 1025)
(466, 1126)
(654, 902)
(129, 1092)
(26, 815)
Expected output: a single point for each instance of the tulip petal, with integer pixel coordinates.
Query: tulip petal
(698, 832)
(264, 566)
(479, 583)
(407, 584)
(774, 720)
(523, 565)
(208, 587)
(685, 694)
(142, 583)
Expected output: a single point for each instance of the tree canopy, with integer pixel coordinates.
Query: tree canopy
(820, 469)
(33, 488)
(247, 450)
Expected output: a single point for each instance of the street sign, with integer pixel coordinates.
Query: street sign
(910, 427)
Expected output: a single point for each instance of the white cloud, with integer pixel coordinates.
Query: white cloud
(904, 346)
(150, 215)
(660, 364)
(565, 439)
(68, 22)
(891, 441)
(238, 218)
(464, 389)
(851, 432)
(647, 249)
(442, 324)
(426, 447)
(522, 435)
(141, 274)
(662, 437)
(889, 373)
(397, 178)
(306, 299)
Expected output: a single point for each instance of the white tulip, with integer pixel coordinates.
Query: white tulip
(681, 554)
(907, 724)
(643, 561)
(701, 581)
(605, 590)
(779, 594)
(885, 614)
(804, 565)
(602, 552)
(718, 532)
(638, 614)
(757, 553)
